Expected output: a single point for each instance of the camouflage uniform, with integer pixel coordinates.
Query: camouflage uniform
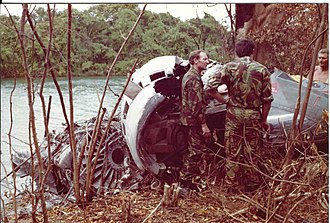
(193, 116)
(249, 87)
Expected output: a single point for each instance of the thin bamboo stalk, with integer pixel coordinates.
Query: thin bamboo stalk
(11, 151)
(76, 185)
(29, 82)
(51, 17)
(58, 88)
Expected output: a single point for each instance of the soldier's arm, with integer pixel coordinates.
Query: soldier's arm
(267, 98)
(213, 84)
(195, 91)
(265, 111)
(216, 95)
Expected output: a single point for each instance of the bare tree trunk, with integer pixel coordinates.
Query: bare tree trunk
(232, 23)
(71, 130)
(21, 34)
(11, 152)
(49, 165)
(58, 88)
(33, 197)
(322, 28)
(295, 132)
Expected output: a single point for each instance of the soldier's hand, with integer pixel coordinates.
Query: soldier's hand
(206, 131)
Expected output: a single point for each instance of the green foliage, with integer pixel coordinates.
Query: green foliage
(287, 31)
(10, 58)
(98, 33)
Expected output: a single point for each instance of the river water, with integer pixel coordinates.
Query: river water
(87, 93)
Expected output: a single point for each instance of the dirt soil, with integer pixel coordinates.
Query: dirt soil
(212, 205)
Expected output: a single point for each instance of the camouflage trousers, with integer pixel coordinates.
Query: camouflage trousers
(193, 159)
(242, 143)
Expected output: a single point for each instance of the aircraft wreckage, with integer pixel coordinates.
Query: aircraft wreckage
(147, 138)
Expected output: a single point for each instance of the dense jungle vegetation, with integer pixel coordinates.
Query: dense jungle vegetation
(284, 33)
(98, 34)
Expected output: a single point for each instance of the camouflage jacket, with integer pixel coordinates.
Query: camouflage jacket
(248, 83)
(193, 99)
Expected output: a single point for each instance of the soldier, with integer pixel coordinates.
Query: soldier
(193, 116)
(321, 72)
(248, 105)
